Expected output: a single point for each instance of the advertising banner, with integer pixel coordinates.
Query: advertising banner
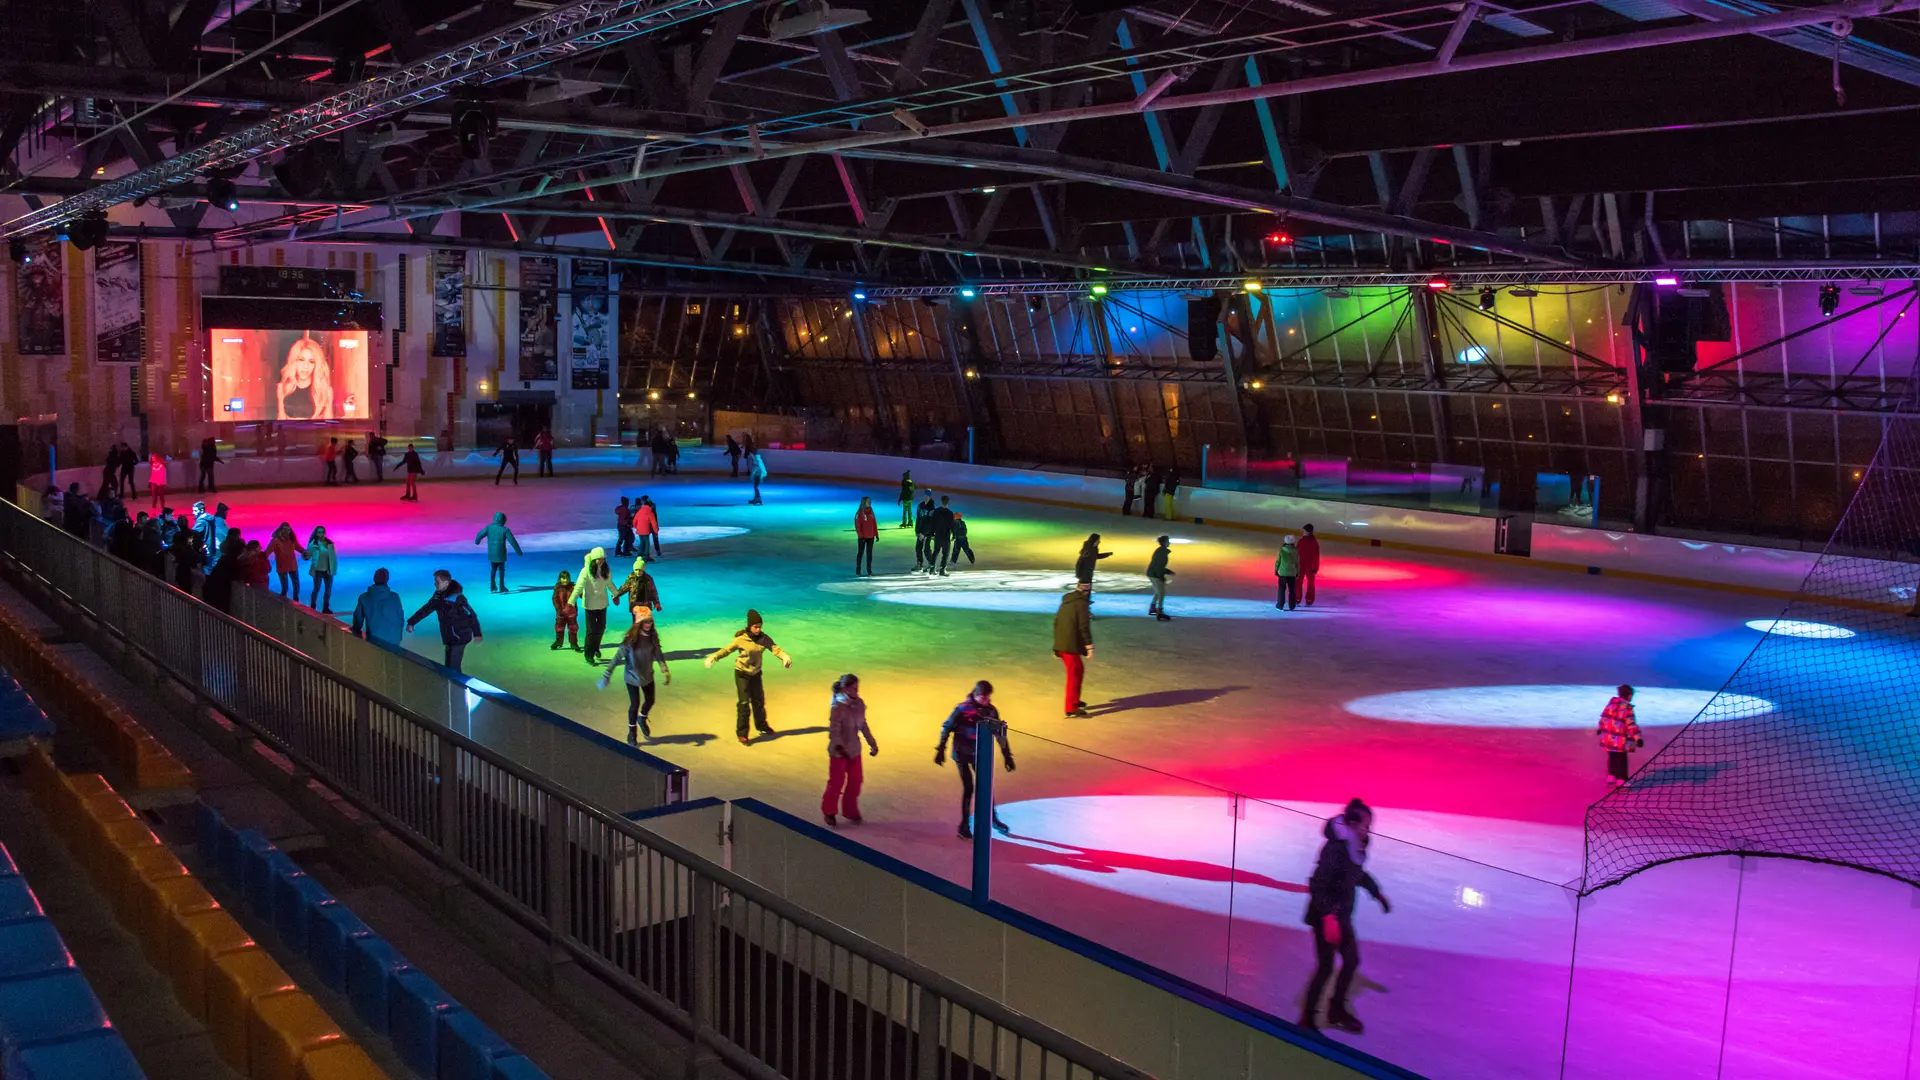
(592, 354)
(40, 300)
(449, 303)
(117, 304)
(539, 317)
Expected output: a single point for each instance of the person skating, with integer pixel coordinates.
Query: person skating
(639, 651)
(566, 617)
(1619, 733)
(1149, 491)
(846, 726)
(410, 463)
(498, 539)
(1167, 493)
(759, 472)
(591, 593)
(209, 457)
(751, 646)
(109, 475)
(639, 589)
(348, 455)
(128, 459)
(1286, 570)
(459, 624)
(509, 455)
(623, 527)
(378, 614)
(1134, 483)
(1157, 575)
(1090, 554)
(329, 454)
(733, 455)
(960, 544)
(287, 553)
(963, 726)
(377, 454)
(543, 447)
(1309, 548)
(923, 532)
(1073, 643)
(940, 538)
(865, 531)
(157, 480)
(906, 498)
(1337, 874)
(325, 563)
(646, 525)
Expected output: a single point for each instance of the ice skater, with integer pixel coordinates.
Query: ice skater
(1619, 735)
(566, 617)
(128, 459)
(590, 594)
(1340, 870)
(1309, 548)
(1167, 493)
(377, 455)
(963, 726)
(923, 532)
(209, 457)
(940, 538)
(846, 726)
(960, 544)
(1135, 482)
(751, 646)
(1073, 644)
(509, 455)
(287, 553)
(1149, 490)
(1157, 575)
(1090, 553)
(646, 525)
(157, 480)
(733, 455)
(623, 527)
(348, 456)
(1286, 570)
(459, 625)
(329, 455)
(498, 538)
(639, 589)
(865, 531)
(411, 464)
(543, 445)
(759, 471)
(323, 562)
(377, 614)
(639, 651)
(906, 498)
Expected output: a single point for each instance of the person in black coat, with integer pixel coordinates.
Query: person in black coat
(1090, 553)
(459, 626)
(1151, 504)
(1337, 875)
(209, 457)
(940, 537)
(923, 534)
(187, 558)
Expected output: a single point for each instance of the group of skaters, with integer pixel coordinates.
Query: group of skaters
(1154, 488)
(939, 530)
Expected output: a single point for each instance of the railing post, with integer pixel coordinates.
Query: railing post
(558, 860)
(704, 988)
(983, 816)
(360, 748)
(927, 1037)
(451, 827)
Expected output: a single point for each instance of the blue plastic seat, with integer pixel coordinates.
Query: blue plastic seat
(17, 901)
(20, 718)
(331, 933)
(413, 1019)
(207, 827)
(255, 878)
(517, 1067)
(371, 966)
(96, 1055)
(47, 1007)
(295, 896)
(468, 1047)
(31, 947)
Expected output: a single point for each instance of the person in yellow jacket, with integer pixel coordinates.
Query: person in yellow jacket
(748, 648)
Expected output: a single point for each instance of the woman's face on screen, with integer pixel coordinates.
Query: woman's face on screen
(304, 356)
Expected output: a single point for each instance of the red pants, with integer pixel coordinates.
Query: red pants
(1076, 673)
(1306, 587)
(844, 774)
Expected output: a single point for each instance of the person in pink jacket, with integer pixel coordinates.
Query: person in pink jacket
(286, 552)
(646, 525)
(157, 479)
(846, 726)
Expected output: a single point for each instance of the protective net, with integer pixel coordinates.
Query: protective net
(1825, 764)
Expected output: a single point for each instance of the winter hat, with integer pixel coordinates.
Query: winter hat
(754, 619)
(1287, 542)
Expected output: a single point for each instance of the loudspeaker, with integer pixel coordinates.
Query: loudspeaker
(1203, 324)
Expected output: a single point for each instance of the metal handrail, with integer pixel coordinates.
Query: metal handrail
(555, 829)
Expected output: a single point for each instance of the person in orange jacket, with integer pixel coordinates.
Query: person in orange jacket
(865, 531)
(1309, 548)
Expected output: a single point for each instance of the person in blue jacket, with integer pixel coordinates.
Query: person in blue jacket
(378, 615)
(498, 538)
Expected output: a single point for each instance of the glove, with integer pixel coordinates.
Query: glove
(940, 756)
(603, 682)
(666, 676)
(1009, 763)
(709, 661)
(875, 752)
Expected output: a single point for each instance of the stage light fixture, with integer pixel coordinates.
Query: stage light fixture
(1439, 284)
(17, 251)
(1523, 292)
(88, 231)
(859, 296)
(1099, 290)
(1868, 289)
(1667, 280)
(1251, 285)
(1829, 300)
(222, 192)
(1279, 237)
(1487, 297)
(1337, 294)
(474, 123)
(966, 294)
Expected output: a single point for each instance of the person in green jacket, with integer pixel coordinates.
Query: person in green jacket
(1073, 643)
(1286, 567)
(1157, 573)
(325, 563)
(498, 538)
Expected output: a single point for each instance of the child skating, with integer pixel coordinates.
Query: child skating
(566, 617)
(639, 652)
(749, 648)
(1619, 735)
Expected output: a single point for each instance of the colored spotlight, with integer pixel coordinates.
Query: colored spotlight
(1800, 629)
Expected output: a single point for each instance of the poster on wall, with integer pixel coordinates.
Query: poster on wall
(539, 317)
(592, 364)
(449, 303)
(40, 303)
(288, 374)
(117, 337)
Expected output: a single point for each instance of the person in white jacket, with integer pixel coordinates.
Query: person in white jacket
(592, 592)
(846, 726)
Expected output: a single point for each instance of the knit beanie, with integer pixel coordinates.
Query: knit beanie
(753, 618)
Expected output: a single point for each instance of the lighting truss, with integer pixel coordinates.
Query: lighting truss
(558, 34)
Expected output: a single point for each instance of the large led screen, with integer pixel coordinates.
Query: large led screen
(289, 374)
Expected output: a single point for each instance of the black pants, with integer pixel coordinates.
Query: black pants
(639, 703)
(546, 463)
(961, 548)
(624, 545)
(1323, 953)
(751, 696)
(126, 480)
(352, 477)
(735, 458)
(938, 549)
(1289, 597)
(454, 654)
(963, 760)
(1617, 765)
(332, 471)
(863, 551)
(504, 466)
(497, 578)
(596, 629)
(206, 479)
(379, 465)
(1126, 507)
(920, 553)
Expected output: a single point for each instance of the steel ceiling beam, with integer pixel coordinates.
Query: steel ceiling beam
(558, 34)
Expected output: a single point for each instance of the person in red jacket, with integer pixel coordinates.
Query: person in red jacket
(543, 444)
(1309, 548)
(865, 531)
(287, 553)
(646, 525)
(623, 528)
